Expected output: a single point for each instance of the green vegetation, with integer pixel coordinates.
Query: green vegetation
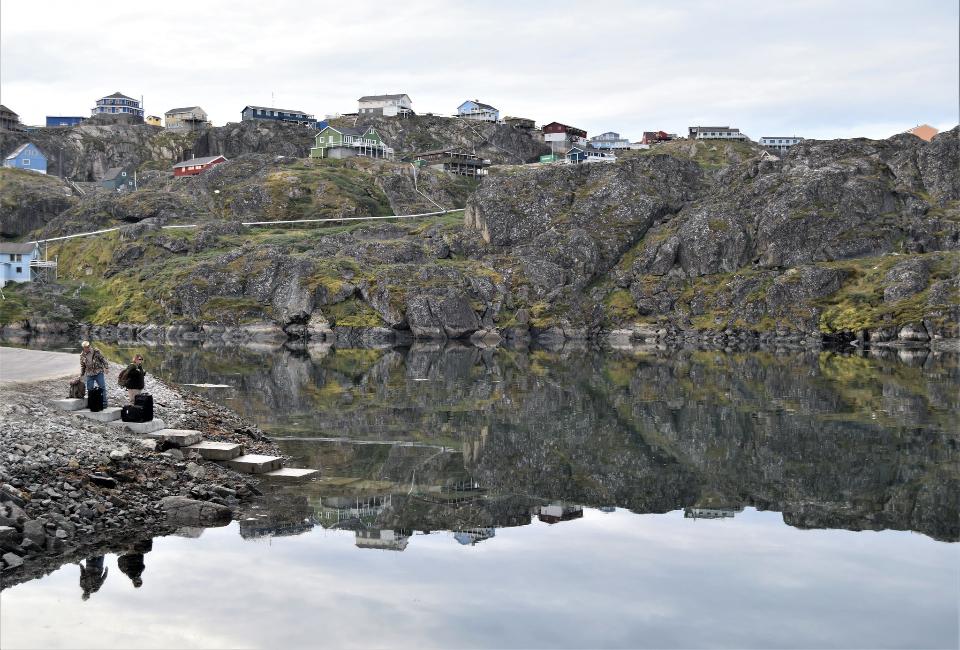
(859, 303)
(621, 307)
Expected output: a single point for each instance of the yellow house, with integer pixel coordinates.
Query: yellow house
(153, 120)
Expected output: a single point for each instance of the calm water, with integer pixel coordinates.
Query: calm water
(540, 499)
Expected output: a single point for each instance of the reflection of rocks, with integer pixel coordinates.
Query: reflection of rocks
(182, 511)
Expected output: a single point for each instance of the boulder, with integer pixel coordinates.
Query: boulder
(183, 511)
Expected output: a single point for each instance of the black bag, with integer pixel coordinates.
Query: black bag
(95, 399)
(78, 389)
(134, 413)
(145, 401)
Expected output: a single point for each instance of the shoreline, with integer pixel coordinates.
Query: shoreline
(669, 336)
(71, 487)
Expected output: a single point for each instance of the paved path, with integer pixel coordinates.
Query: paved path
(17, 364)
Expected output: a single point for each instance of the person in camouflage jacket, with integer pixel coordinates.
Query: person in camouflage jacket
(93, 365)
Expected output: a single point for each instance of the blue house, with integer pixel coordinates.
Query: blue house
(277, 115)
(63, 120)
(27, 156)
(474, 109)
(15, 262)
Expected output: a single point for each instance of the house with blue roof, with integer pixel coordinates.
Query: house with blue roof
(27, 156)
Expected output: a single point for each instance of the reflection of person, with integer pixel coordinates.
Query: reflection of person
(92, 576)
(132, 378)
(92, 366)
(132, 564)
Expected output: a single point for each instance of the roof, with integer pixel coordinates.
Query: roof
(273, 108)
(452, 152)
(17, 248)
(117, 95)
(604, 136)
(6, 110)
(714, 128)
(112, 173)
(20, 149)
(923, 131)
(480, 104)
(185, 109)
(197, 161)
(366, 98)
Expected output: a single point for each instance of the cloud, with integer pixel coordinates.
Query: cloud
(834, 70)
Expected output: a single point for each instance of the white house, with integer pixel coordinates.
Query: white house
(716, 133)
(474, 109)
(386, 105)
(15, 262)
(779, 145)
(609, 140)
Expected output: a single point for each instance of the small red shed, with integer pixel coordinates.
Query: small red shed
(194, 166)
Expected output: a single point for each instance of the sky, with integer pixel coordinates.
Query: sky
(819, 69)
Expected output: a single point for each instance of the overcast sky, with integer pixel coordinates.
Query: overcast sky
(821, 69)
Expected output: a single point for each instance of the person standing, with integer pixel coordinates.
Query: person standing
(132, 376)
(93, 365)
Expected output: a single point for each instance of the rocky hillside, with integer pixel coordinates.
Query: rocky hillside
(689, 240)
(28, 199)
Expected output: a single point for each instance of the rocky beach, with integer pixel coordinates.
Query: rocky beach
(72, 487)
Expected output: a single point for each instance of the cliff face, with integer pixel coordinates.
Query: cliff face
(689, 239)
(29, 201)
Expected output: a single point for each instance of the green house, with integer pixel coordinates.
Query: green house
(346, 142)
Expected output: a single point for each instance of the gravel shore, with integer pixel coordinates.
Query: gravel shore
(71, 487)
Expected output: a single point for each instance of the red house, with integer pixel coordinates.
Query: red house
(557, 127)
(194, 166)
(653, 137)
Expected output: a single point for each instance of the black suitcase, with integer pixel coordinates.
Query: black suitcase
(133, 413)
(145, 401)
(95, 399)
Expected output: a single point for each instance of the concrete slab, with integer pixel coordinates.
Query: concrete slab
(177, 437)
(140, 427)
(69, 404)
(108, 414)
(212, 450)
(293, 474)
(20, 365)
(255, 463)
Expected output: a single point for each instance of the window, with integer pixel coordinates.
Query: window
(26, 162)
(123, 173)
(19, 269)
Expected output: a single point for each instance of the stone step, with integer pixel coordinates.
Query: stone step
(69, 404)
(177, 437)
(212, 450)
(140, 427)
(108, 414)
(255, 463)
(293, 474)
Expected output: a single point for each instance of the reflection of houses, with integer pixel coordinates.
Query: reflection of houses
(474, 109)
(195, 166)
(27, 156)
(557, 512)
(386, 105)
(710, 513)
(716, 133)
(257, 527)
(779, 145)
(347, 142)
(343, 508)
(118, 178)
(384, 540)
(472, 536)
(452, 162)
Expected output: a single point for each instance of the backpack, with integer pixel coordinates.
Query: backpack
(78, 389)
(123, 377)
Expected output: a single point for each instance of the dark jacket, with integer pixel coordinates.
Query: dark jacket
(135, 375)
